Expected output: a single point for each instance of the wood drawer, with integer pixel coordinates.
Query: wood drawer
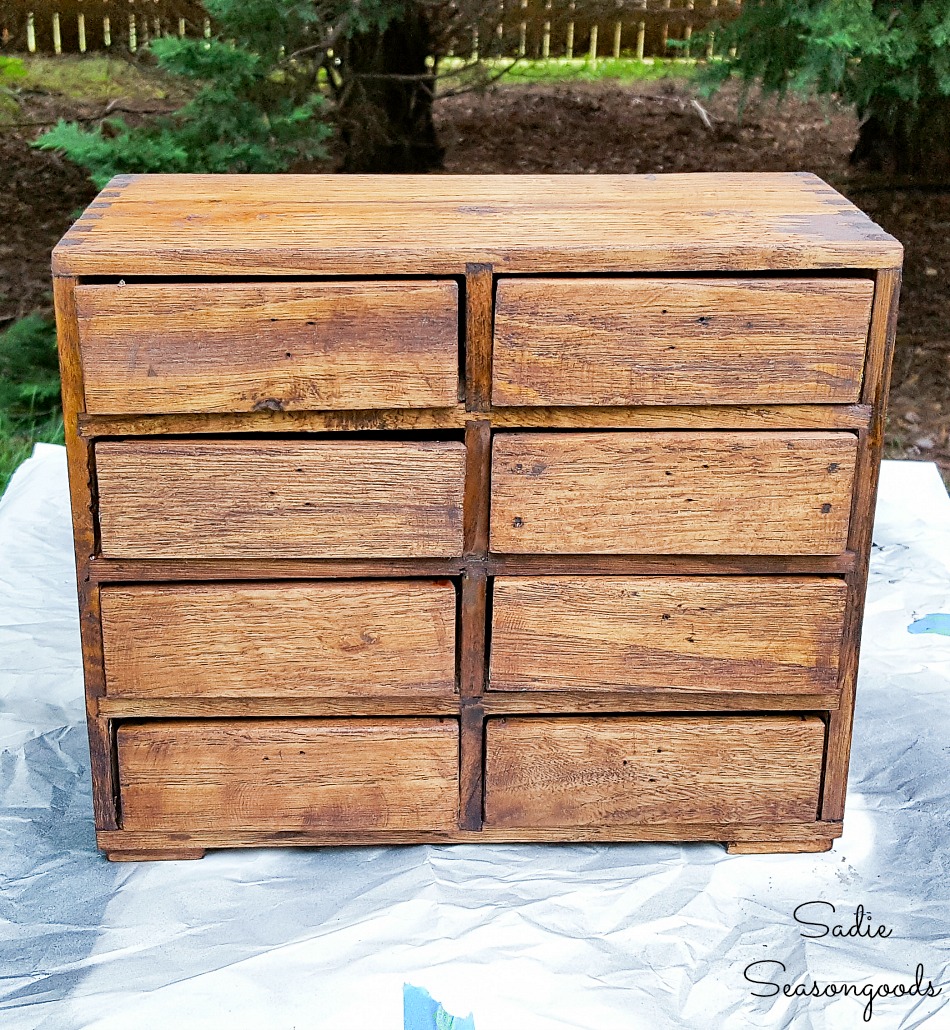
(200, 347)
(616, 770)
(336, 639)
(289, 774)
(671, 492)
(716, 633)
(679, 341)
(280, 498)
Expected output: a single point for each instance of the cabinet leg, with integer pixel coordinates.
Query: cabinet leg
(777, 847)
(167, 855)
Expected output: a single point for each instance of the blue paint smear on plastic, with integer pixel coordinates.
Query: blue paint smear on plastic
(420, 1011)
(939, 622)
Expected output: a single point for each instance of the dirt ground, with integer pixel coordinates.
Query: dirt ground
(603, 127)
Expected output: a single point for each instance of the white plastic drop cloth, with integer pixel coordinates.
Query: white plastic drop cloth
(595, 937)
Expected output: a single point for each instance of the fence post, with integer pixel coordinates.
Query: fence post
(523, 31)
(106, 31)
(592, 55)
(181, 28)
(569, 49)
(57, 38)
(133, 36)
(30, 33)
(641, 32)
(618, 31)
(546, 33)
(688, 34)
(665, 33)
(81, 28)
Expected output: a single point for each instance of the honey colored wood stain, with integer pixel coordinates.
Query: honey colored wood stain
(336, 638)
(268, 346)
(686, 341)
(630, 769)
(671, 493)
(462, 508)
(689, 633)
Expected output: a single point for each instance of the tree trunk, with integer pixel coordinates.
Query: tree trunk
(385, 105)
(913, 142)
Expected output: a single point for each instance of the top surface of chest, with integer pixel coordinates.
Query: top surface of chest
(195, 225)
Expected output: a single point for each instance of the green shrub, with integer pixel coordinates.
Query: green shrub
(29, 370)
(890, 60)
(253, 110)
(30, 409)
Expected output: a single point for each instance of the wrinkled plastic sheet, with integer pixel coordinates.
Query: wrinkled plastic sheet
(520, 937)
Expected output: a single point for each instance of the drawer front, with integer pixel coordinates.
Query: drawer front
(289, 774)
(727, 633)
(246, 498)
(290, 639)
(679, 341)
(671, 492)
(191, 347)
(617, 770)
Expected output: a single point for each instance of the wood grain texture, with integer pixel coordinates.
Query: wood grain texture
(183, 706)
(679, 341)
(477, 486)
(343, 638)
(266, 421)
(471, 766)
(637, 565)
(157, 855)
(473, 621)
(152, 570)
(782, 833)
(709, 432)
(479, 307)
(671, 493)
(880, 360)
(566, 772)
(730, 634)
(223, 347)
(80, 463)
(772, 416)
(284, 498)
(775, 847)
(672, 416)
(497, 702)
(607, 701)
(289, 774)
(436, 225)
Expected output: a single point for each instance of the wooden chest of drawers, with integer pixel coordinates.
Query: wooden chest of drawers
(472, 508)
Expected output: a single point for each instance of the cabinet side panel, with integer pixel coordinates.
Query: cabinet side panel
(80, 463)
(876, 383)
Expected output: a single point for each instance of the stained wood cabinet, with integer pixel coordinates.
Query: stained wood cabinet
(472, 508)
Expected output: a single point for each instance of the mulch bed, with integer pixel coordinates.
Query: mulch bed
(606, 127)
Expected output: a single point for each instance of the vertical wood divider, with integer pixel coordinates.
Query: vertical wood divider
(870, 443)
(80, 462)
(473, 621)
(478, 337)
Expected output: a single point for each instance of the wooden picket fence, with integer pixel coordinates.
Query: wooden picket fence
(538, 29)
